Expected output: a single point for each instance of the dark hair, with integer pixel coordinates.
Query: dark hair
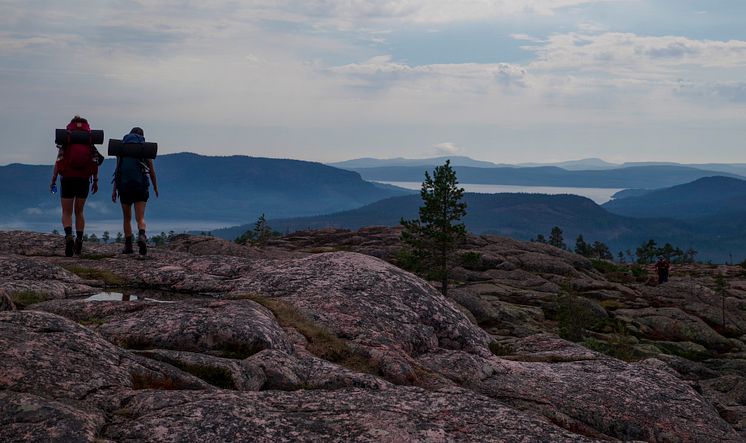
(138, 131)
(78, 119)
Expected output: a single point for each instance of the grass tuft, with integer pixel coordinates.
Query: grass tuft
(108, 277)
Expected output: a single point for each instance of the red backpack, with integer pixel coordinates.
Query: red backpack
(78, 158)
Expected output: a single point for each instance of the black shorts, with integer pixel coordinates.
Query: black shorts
(133, 196)
(74, 187)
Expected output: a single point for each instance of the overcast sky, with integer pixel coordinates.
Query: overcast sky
(326, 80)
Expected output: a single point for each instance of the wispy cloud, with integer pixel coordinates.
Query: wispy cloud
(447, 148)
(360, 74)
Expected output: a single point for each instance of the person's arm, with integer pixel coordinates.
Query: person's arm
(153, 179)
(55, 173)
(114, 184)
(56, 170)
(94, 185)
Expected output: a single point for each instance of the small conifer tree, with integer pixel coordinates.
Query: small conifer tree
(556, 238)
(582, 247)
(436, 234)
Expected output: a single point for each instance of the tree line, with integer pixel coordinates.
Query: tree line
(646, 253)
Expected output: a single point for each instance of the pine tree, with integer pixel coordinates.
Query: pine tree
(262, 231)
(647, 252)
(120, 238)
(556, 239)
(601, 250)
(106, 237)
(581, 247)
(436, 234)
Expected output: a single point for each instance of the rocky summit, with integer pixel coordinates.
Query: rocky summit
(320, 336)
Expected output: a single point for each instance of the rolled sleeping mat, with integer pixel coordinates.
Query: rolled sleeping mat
(134, 150)
(65, 137)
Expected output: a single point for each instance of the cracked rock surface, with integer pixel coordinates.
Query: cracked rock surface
(318, 338)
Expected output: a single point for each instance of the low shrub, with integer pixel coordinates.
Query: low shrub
(473, 261)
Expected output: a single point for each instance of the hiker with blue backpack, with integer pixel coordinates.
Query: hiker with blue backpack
(132, 178)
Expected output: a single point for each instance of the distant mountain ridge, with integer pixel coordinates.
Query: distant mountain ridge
(584, 164)
(456, 160)
(649, 177)
(206, 188)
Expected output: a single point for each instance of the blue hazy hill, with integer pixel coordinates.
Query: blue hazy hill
(705, 197)
(208, 188)
(523, 216)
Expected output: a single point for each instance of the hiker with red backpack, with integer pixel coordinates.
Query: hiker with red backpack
(131, 184)
(77, 162)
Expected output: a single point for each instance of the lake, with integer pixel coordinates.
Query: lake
(598, 195)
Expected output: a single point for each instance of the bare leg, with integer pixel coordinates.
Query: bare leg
(127, 223)
(140, 215)
(67, 212)
(79, 217)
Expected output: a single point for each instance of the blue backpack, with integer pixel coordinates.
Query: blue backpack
(131, 174)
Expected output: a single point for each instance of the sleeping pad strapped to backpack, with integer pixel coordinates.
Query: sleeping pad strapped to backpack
(131, 174)
(79, 158)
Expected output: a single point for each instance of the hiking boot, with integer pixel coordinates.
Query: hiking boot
(78, 246)
(142, 244)
(69, 245)
(128, 246)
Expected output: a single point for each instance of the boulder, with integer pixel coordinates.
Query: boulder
(389, 312)
(583, 390)
(392, 415)
(52, 357)
(287, 372)
(31, 418)
(673, 324)
(227, 328)
(38, 280)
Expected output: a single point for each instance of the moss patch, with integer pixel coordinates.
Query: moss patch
(611, 304)
(620, 347)
(500, 349)
(22, 299)
(108, 277)
(683, 352)
(321, 342)
(92, 321)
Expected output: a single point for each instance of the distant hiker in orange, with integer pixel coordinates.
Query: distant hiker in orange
(662, 268)
(77, 163)
(131, 184)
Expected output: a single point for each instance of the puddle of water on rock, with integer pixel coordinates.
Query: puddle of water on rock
(135, 296)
